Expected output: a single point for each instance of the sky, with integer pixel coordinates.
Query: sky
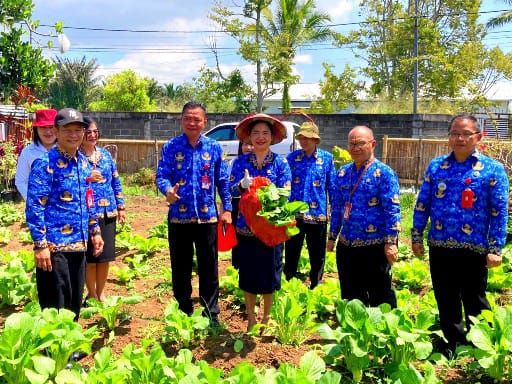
(176, 55)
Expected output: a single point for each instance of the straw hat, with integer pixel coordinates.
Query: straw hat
(278, 128)
(310, 130)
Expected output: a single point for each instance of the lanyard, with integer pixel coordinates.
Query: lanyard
(358, 179)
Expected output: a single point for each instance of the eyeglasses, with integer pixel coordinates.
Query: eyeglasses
(89, 133)
(464, 135)
(358, 144)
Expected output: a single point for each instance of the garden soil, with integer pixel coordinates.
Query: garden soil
(145, 320)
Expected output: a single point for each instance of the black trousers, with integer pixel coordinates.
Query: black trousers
(182, 239)
(63, 287)
(316, 239)
(364, 274)
(459, 278)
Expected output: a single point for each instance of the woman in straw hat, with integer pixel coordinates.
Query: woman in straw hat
(260, 266)
(43, 138)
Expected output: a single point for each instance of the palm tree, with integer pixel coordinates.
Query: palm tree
(74, 84)
(294, 24)
(502, 19)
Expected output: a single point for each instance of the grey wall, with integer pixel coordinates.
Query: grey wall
(333, 128)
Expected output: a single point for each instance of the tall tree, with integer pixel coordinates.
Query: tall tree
(245, 25)
(20, 61)
(452, 59)
(124, 91)
(294, 23)
(338, 91)
(230, 94)
(502, 19)
(74, 84)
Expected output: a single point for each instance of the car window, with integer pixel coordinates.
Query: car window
(224, 133)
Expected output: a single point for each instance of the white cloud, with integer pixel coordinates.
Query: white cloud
(339, 10)
(303, 59)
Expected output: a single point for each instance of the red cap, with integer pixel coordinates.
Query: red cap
(44, 117)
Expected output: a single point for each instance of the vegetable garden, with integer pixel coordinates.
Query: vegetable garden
(139, 335)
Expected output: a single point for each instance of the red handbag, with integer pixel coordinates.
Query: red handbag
(268, 233)
(226, 236)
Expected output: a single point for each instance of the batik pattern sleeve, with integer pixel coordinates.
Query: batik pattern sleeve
(283, 172)
(499, 210)
(337, 203)
(235, 177)
(163, 172)
(39, 186)
(422, 206)
(391, 206)
(116, 185)
(222, 180)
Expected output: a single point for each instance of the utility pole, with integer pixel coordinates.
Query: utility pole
(415, 73)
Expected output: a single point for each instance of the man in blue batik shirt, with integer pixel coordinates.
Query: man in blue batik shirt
(366, 217)
(313, 176)
(190, 170)
(465, 195)
(58, 217)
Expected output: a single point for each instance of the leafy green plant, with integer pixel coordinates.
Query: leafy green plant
(110, 309)
(27, 336)
(491, 334)
(406, 340)
(311, 370)
(276, 208)
(15, 284)
(25, 256)
(143, 177)
(324, 298)
(160, 230)
(413, 274)
(182, 329)
(124, 274)
(292, 313)
(8, 214)
(24, 237)
(137, 265)
(229, 285)
(5, 235)
(354, 338)
(499, 278)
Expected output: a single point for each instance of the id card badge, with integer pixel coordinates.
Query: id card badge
(467, 198)
(346, 211)
(89, 198)
(205, 182)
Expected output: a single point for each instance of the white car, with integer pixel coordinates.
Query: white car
(226, 136)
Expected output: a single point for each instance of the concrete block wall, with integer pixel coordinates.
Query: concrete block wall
(334, 128)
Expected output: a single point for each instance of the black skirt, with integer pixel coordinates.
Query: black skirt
(108, 233)
(260, 266)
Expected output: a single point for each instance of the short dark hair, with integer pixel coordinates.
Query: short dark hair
(465, 116)
(193, 105)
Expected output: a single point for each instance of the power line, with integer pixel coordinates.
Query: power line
(227, 31)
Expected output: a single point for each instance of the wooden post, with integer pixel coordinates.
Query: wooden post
(385, 149)
(420, 161)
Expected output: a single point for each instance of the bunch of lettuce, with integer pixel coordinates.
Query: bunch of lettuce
(276, 208)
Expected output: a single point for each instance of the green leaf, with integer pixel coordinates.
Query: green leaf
(44, 365)
(238, 346)
(312, 366)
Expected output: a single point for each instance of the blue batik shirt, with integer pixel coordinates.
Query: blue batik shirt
(274, 167)
(198, 171)
(375, 214)
(108, 193)
(480, 228)
(312, 179)
(56, 211)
